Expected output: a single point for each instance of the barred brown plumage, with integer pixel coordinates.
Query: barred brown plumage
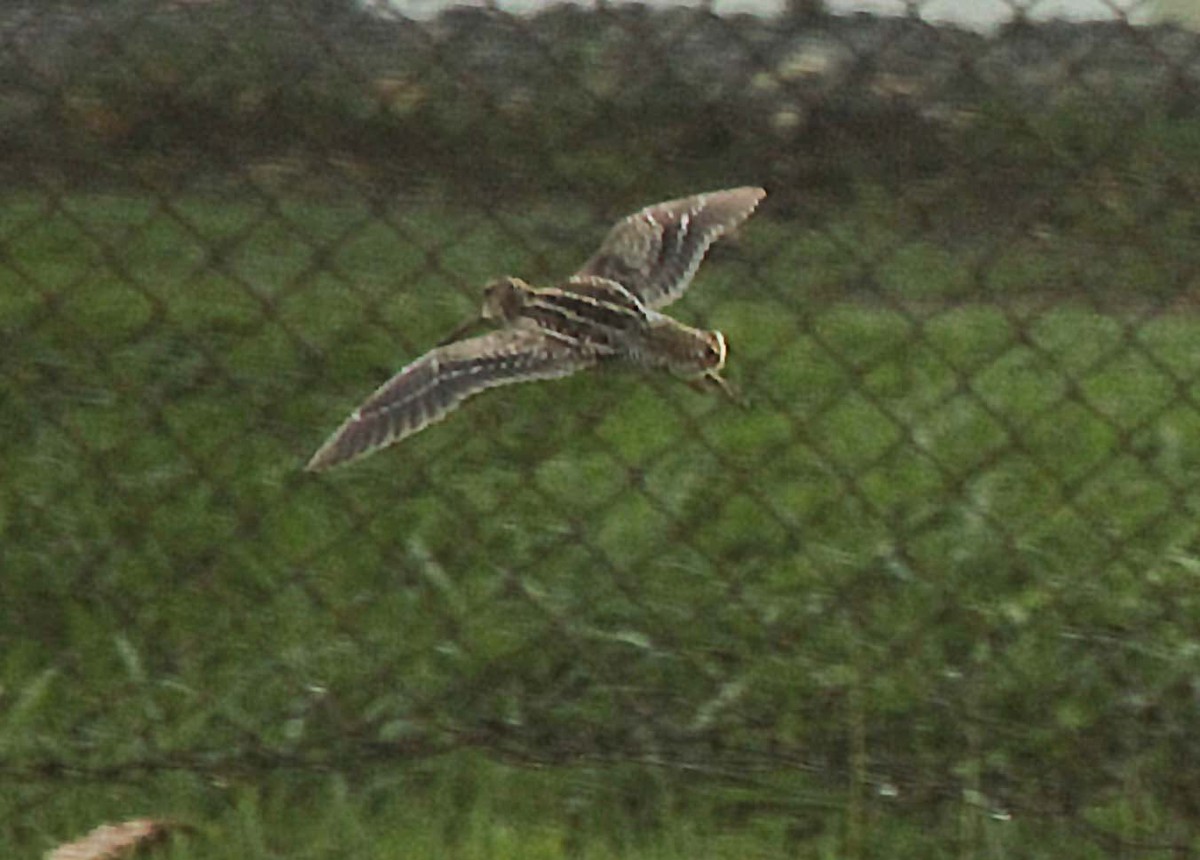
(607, 310)
(431, 387)
(655, 252)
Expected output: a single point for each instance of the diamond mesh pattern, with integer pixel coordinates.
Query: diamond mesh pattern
(948, 554)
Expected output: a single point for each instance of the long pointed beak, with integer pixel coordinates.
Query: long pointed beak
(728, 389)
(701, 383)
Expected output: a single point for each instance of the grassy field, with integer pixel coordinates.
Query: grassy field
(933, 594)
(467, 808)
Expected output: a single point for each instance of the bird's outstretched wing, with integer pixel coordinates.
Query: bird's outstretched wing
(439, 381)
(655, 252)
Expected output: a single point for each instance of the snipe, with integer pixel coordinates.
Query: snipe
(606, 312)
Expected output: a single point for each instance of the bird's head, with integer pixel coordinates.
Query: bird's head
(713, 352)
(711, 359)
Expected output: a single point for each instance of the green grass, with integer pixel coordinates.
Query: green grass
(956, 532)
(469, 808)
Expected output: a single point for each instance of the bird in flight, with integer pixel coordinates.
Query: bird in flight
(607, 312)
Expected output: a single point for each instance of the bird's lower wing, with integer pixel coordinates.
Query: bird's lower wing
(438, 382)
(654, 253)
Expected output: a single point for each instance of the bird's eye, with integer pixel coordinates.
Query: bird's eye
(714, 350)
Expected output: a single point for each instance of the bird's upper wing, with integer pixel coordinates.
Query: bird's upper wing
(655, 252)
(437, 382)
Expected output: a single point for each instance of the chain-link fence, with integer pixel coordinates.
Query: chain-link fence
(942, 568)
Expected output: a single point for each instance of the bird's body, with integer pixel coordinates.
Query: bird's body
(600, 317)
(605, 313)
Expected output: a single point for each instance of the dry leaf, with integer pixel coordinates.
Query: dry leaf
(114, 841)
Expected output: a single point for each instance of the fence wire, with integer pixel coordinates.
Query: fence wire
(947, 556)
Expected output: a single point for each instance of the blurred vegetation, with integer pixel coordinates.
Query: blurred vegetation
(486, 107)
(935, 592)
(951, 552)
